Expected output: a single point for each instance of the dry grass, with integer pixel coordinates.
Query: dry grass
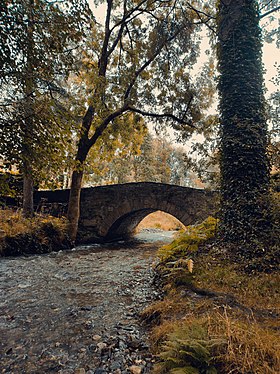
(250, 348)
(238, 312)
(260, 290)
(13, 223)
(246, 346)
(37, 235)
(240, 345)
(160, 220)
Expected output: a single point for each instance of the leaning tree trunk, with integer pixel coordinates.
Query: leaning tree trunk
(73, 212)
(243, 162)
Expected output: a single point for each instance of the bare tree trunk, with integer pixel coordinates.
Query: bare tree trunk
(28, 207)
(73, 213)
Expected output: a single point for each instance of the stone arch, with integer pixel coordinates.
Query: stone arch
(111, 212)
(105, 210)
(122, 220)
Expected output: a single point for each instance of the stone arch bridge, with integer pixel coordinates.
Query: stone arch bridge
(113, 211)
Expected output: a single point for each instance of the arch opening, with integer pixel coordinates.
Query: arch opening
(124, 226)
(128, 224)
(160, 220)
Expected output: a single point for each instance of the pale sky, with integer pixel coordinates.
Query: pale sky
(271, 54)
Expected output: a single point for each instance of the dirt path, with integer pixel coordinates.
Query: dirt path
(76, 311)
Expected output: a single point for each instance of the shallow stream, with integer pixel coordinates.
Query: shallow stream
(77, 311)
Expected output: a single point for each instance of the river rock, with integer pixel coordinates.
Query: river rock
(134, 343)
(135, 369)
(100, 371)
(80, 371)
(96, 337)
(101, 346)
(115, 365)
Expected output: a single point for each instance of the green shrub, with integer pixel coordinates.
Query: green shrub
(176, 259)
(188, 241)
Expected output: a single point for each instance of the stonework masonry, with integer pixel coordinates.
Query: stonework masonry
(113, 212)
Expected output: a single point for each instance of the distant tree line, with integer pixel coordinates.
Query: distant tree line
(156, 160)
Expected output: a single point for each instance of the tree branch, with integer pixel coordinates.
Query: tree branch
(129, 14)
(199, 14)
(269, 12)
(188, 106)
(162, 115)
(266, 5)
(150, 60)
(100, 129)
(138, 72)
(103, 61)
(118, 38)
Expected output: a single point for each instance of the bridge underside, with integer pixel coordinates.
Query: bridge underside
(122, 228)
(125, 226)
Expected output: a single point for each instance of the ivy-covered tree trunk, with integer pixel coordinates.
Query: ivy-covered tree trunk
(244, 164)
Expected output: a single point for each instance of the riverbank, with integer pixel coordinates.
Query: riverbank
(45, 233)
(215, 317)
(41, 234)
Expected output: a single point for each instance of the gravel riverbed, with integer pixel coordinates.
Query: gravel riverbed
(77, 311)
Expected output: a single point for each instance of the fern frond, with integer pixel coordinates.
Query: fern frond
(185, 370)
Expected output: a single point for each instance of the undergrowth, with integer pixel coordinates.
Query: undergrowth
(189, 240)
(41, 234)
(214, 318)
(176, 263)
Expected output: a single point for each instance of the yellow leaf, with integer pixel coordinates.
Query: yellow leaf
(190, 265)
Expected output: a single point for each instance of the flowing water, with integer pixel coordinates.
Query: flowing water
(77, 311)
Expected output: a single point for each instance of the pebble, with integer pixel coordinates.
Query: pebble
(115, 365)
(100, 371)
